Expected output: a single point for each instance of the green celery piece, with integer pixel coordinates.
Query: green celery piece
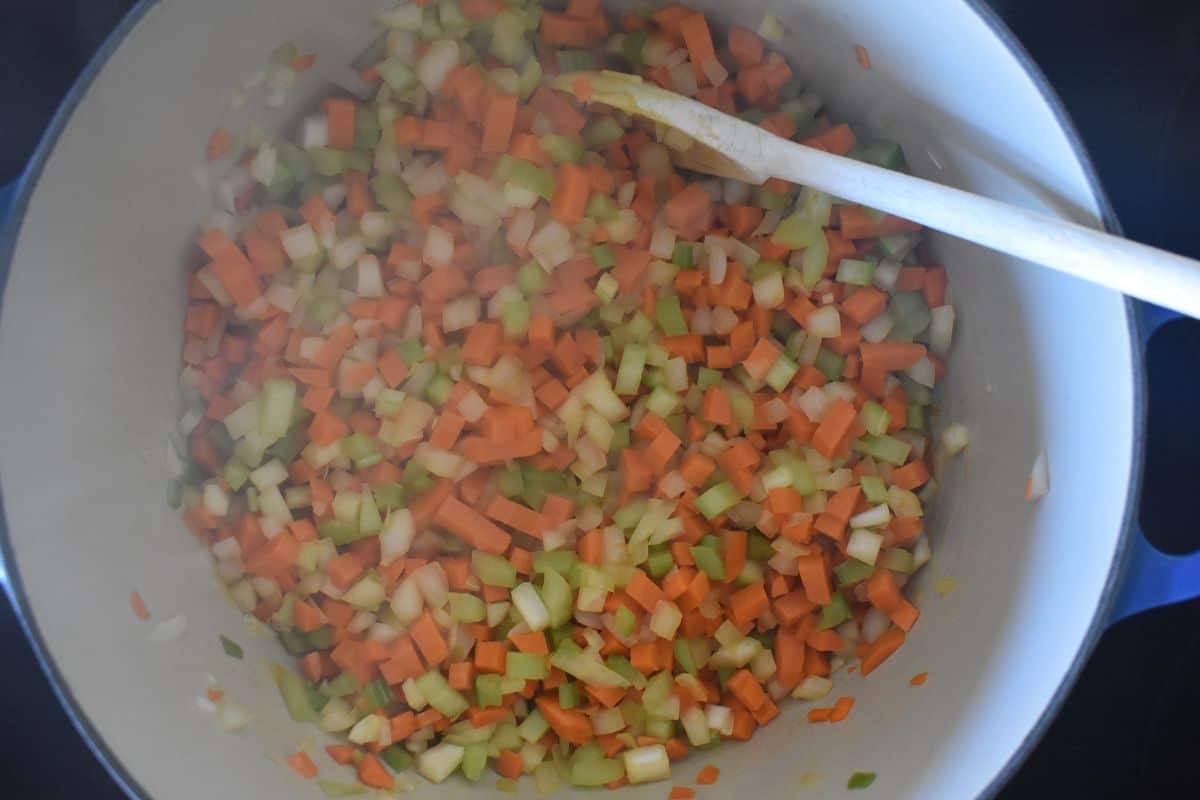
(835, 612)
(684, 255)
(231, 648)
(397, 758)
(493, 570)
(320, 638)
(685, 657)
(670, 316)
(708, 377)
(533, 727)
(873, 489)
(883, 448)
(708, 560)
(560, 561)
(526, 666)
(852, 571)
(344, 684)
(474, 761)
(796, 232)
(568, 694)
(532, 178)
(601, 208)
(916, 417)
(562, 149)
(830, 364)
(629, 373)
(487, 691)
(624, 621)
(623, 667)
(860, 780)
(340, 533)
(531, 278)
(603, 255)
(466, 607)
(717, 500)
(558, 597)
(378, 694)
(389, 496)
(596, 772)
(875, 417)
(441, 695)
(758, 547)
(294, 691)
(410, 351)
(660, 561)
(602, 131)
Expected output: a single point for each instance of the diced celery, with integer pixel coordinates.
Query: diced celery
(670, 316)
(329, 162)
(685, 657)
(796, 232)
(717, 500)
(873, 489)
(276, 405)
(534, 726)
(344, 684)
(888, 155)
(487, 690)
(684, 255)
(493, 570)
(623, 667)
(557, 597)
(884, 448)
(526, 666)
(852, 571)
(898, 560)
(441, 695)
(474, 761)
(529, 78)
(660, 561)
(601, 208)
(709, 561)
(601, 132)
(624, 621)
(466, 607)
(875, 417)
(781, 373)
(758, 547)
(378, 694)
(568, 694)
(514, 316)
(596, 772)
(340, 788)
(532, 178)
(397, 758)
(607, 288)
(916, 417)
(294, 691)
(830, 364)
(562, 148)
(663, 402)
(660, 728)
(603, 255)
(531, 278)
(629, 373)
(560, 561)
(339, 532)
(508, 38)
(835, 612)
(812, 266)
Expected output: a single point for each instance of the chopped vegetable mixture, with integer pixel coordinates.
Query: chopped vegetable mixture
(538, 452)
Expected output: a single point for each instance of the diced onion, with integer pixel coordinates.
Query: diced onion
(864, 545)
(955, 439)
(941, 329)
(436, 64)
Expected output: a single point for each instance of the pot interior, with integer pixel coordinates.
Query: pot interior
(90, 340)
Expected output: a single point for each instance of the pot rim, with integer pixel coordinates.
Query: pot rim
(123, 776)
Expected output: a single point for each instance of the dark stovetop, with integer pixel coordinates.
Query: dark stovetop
(1129, 73)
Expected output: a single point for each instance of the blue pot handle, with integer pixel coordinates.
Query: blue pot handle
(1153, 578)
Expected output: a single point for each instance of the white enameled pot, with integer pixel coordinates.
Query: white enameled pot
(90, 341)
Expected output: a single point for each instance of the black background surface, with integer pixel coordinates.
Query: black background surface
(1129, 73)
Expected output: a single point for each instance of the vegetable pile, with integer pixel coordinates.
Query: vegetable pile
(534, 449)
